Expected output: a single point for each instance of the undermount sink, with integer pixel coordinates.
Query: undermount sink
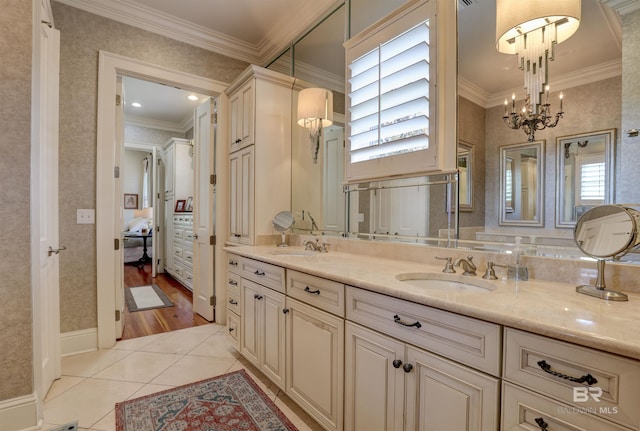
(294, 252)
(446, 282)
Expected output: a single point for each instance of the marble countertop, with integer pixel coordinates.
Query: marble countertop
(542, 307)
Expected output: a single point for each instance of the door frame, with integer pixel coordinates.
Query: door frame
(109, 67)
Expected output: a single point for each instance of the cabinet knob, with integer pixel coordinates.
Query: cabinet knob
(258, 297)
(397, 363)
(285, 310)
(542, 424)
(407, 368)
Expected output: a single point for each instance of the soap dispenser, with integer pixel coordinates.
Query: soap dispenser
(517, 271)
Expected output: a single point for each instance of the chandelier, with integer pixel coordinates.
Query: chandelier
(531, 29)
(531, 117)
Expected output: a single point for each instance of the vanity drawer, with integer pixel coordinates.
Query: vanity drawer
(263, 273)
(233, 301)
(187, 255)
(523, 410)
(606, 382)
(321, 293)
(233, 263)
(470, 341)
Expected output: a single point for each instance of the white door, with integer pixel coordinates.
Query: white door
(203, 210)
(44, 204)
(119, 210)
(155, 203)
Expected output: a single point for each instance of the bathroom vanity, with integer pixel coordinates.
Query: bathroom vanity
(369, 343)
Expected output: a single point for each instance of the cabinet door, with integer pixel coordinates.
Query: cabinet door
(443, 395)
(241, 172)
(250, 315)
(235, 103)
(374, 381)
(169, 174)
(315, 365)
(272, 327)
(247, 93)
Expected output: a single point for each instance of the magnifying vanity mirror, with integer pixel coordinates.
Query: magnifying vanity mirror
(584, 175)
(282, 222)
(521, 184)
(606, 231)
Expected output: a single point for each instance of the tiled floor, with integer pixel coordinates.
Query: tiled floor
(93, 382)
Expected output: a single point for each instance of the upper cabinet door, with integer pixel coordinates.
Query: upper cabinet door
(242, 116)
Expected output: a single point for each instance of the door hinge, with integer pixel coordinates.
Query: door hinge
(118, 100)
(116, 243)
(158, 228)
(212, 240)
(116, 172)
(214, 118)
(117, 315)
(212, 301)
(212, 179)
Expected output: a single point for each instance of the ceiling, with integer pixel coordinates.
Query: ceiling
(256, 30)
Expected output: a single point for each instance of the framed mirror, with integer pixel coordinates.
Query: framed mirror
(585, 174)
(522, 184)
(465, 176)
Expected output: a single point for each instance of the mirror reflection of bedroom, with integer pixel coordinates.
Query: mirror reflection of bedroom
(157, 177)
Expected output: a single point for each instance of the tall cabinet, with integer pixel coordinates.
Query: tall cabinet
(177, 156)
(259, 153)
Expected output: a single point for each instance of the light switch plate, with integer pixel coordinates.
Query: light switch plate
(86, 216)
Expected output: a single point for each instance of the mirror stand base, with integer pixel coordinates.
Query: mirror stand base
(607, 294)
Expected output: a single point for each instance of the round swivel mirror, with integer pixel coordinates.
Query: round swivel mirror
(606, 231)
(282, 222)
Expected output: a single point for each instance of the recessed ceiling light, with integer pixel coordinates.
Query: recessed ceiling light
(192, 97)
(136, 105)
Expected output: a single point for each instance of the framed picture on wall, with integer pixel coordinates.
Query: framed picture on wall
(180, 205)
(188, 206)
(131, 201)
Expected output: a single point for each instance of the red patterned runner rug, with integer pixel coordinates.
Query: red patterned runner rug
(229, 402)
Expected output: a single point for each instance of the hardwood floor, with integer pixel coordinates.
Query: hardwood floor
(159, 320)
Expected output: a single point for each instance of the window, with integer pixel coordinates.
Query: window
(591, 179)
(392, 97)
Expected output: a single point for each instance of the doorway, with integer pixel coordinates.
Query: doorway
(109, 183)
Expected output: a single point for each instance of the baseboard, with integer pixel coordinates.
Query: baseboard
(19, 414)
(72, 343)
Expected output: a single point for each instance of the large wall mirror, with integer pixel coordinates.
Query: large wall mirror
(592, 87)
(521, 184)
(584, 175)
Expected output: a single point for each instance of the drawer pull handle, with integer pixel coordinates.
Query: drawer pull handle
(399, 321)
(588, 379)
(407, 368)
(233, 263)
(233, 302)
(233, 282)
(314, 292)
(258, 297)
(396, 363)
(261, 274)
(542, 424)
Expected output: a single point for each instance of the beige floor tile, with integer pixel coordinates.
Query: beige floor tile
(61, 385)
(216, 345)
(269, 388)
(192, 369)
(88, 402)
(138, 367)
(149, 389)
(107, 423)
(87, 364)
(209, 329)
(299, 417)
(177, 343)
(136, 343)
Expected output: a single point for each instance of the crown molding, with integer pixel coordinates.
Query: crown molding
(168, 126)
(132, 14)
(623, 7)
(472, 92)
(319, 77)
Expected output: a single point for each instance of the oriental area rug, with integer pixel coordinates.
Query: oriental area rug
(229, 402)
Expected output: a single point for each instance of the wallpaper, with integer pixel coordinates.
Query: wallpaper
(82, 36)
(16, 372)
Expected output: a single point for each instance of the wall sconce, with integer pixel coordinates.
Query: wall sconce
(531, 29)
(315, 112)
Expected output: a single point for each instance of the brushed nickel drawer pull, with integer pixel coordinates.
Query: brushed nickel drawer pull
(399, 321)
(588, 378)
(314, 292)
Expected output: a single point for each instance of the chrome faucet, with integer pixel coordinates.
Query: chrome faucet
(316, 246)
(448, 267)
(467, 264)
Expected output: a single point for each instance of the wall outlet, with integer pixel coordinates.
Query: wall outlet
(86, 216)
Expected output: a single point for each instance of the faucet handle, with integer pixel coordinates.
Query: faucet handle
(448, 267)
(490, 273)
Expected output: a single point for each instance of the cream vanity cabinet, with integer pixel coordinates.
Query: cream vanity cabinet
(262, 320)
(259, 153)
(412, 367)
(315, 347)
(553, 385)
(181, 266)
(233, 300)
